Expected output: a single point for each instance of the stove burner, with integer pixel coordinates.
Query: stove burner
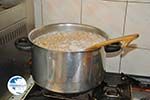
(113, 88)
(112, 92)
(86, 96)
(39, 93)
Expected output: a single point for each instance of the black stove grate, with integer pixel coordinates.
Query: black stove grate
(38, 93)
(113, 88)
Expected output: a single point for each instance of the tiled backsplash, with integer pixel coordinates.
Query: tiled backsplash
(115, 17)
(61, 10)
(138, 20)
(108, 16)
(136, 61)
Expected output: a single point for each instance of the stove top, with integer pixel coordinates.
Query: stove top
(112, 88)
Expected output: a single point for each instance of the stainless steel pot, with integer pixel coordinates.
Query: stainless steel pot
(65, 72)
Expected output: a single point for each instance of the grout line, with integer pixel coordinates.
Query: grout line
(123, 32)
(139, 48)
(81, 11)
(114, 1)
(120, 61)
(42, 13)
(125, 18)
(127, 1)
(139, 2)
(143, 48)
(121, 56)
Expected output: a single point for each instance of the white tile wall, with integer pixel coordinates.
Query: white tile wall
(108, 16)
(138, 20)
(136, 62)
(112, 64)
(52, 21)
(61, 10)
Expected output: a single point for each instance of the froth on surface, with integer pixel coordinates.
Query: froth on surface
(68, 41)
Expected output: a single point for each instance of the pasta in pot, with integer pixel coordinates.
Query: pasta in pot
(68, 41)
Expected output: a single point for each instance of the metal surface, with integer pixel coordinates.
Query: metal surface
(67, 72)
(123, 90)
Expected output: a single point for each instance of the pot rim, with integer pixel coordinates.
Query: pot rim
(102, 33)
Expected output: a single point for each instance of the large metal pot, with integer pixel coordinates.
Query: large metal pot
(65, 72)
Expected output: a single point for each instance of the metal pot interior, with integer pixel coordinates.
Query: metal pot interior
(65, 27)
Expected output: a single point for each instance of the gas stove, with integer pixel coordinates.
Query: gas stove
(112, 88)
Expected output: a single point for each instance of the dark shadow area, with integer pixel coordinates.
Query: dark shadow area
(123, 51)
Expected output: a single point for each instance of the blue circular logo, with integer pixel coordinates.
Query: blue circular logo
(17, 85)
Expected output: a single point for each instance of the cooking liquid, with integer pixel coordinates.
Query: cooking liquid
(68, 41)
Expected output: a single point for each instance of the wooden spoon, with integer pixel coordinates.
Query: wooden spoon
(125, 40)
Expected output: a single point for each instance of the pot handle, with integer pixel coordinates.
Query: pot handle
(125, 40)
(23, 44)
(114, 47)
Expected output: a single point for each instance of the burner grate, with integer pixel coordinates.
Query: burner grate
(108, 90)
(43, 94)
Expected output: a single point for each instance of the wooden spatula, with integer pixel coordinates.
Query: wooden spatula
(125, 40)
